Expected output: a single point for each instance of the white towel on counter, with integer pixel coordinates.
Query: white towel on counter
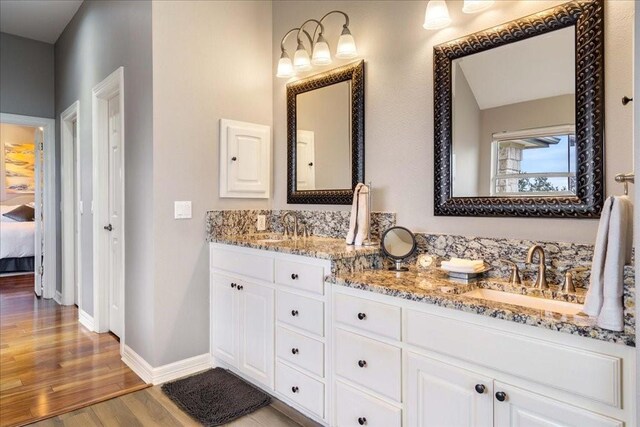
(612, 251)
(363, 216)
(460, 265)
(353, 221)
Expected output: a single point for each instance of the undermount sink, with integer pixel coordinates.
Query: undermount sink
(536, 303)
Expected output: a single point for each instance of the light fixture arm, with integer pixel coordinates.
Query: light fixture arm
(297, 30)
(346, 19)
(318, 24)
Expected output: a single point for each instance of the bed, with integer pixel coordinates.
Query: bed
(17, 244)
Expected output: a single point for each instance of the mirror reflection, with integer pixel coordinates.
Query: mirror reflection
(514, 119)
(323, 138)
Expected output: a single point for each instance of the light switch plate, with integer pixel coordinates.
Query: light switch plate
(182, 210)
(261, 223)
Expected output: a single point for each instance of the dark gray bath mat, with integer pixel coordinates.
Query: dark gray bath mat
(216, 396)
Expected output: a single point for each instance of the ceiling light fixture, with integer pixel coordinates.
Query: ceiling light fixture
(318, 46)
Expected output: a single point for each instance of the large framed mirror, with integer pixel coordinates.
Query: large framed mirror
(325, 132)
(519, 117)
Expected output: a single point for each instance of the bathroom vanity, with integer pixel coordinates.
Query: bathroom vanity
(312, 323)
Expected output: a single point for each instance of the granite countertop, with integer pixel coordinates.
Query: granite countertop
(436, 288)
(314, 246)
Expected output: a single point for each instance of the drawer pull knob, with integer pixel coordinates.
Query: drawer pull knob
(362, 363)
(294, 389)
(294, 312)
(294, 351)
(294, 276)
(362, 316)
(501, 396)
(233, 285)
(362, 421)
(480, 388)
(240, 287)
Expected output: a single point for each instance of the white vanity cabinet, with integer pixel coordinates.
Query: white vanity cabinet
(269, 322)
(464, 369)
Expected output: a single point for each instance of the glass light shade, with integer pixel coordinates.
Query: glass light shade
(437, 15)
(321, 53)
(285, 67)
(346, 45)
(474, 6)
(301, 60)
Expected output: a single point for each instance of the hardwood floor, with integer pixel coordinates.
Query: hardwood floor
(49, 363)
(151, 407)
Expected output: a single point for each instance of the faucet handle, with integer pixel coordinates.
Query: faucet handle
(514, 279)
(567, 286)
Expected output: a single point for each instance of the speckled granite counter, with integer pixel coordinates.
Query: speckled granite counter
(315, 246)
(435, 288)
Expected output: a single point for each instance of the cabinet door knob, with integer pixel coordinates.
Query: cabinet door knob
(233, 285)
(362, 421)
(294, 389)
(294, 312)
(362, 363)
(501, 396)
(294, 351)
(234, 158)
(294, 276)
(310, 163)
(362, 316)
(480, 388)
(240, 287)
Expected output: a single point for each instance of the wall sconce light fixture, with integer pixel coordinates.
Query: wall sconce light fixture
(320, 51)
(437, 13)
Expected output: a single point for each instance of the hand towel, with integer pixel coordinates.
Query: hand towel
(447, 266)
(363, 216)
(612, 251)
(351, 234)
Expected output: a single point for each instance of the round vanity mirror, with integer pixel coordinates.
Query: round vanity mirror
(398, 243)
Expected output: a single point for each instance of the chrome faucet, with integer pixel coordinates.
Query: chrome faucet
(295, 224)
(541, 280)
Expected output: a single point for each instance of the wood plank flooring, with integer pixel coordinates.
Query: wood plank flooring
(151, 407)
(49, 363)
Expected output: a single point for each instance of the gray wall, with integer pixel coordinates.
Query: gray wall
(211, 60)
(399, 106)
(26, 77)
(101, 37)
(466, 137)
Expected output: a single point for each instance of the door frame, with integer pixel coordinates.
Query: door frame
(70, 179)
(111, 86)
(49, 202)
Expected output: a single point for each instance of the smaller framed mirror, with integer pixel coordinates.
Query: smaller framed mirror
(325, 132)
(398, 244)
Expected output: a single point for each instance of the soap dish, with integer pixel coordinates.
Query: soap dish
(467, 276)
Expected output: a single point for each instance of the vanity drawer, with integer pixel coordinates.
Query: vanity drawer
(354, 407)
(301, 276)
(304, 352)
(577, 371)
(251, 265)
(300, 388)
(301, 312)
(369, 363)
(371, 316)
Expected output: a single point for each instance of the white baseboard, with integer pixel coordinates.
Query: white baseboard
(57, 297)
(85, 320)
(164, 373)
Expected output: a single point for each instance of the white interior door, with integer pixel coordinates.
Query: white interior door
(76, 214)
(305, 163)
(115, 278)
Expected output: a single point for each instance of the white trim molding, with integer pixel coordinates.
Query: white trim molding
(164, 373)
(45, 284)
(70, 201)
(101, 94)
(85, 320)
(58, 297)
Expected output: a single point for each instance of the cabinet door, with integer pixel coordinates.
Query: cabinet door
(257, 324)
(225, 318)
(521, 408)
(438, 394)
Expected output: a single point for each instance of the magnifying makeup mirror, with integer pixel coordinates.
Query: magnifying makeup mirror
(398, 244)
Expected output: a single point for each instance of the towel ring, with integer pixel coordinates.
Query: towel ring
(625, 179)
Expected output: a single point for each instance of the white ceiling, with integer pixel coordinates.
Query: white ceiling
(536, 68)
(41, 20)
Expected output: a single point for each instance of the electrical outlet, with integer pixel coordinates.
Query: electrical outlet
(261, 223)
